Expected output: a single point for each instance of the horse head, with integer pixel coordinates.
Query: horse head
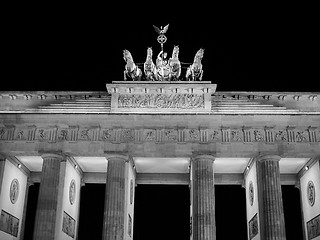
(199, 55)
(149, 54)
(175, 52)
(149, 67)
(127, 56)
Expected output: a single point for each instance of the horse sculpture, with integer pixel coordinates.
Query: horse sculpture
(131, 69)
(175, 64)
(194, 71)
(149, 67)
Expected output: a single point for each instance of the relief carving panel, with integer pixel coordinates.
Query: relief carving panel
(178, 101)
(281, 136)
(63, 134)
(107, 135)
(43, 134)
(149, 135)
(253, 226)
(258, 135)
(170, 135)
(9, 223)
(214, 135)
(236, 135)
(127, 135)
(192, 135)
(313, 227)
(68, 225)
(21, 134)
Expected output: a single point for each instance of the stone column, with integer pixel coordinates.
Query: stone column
(114, 209)
(203, 200)
(23, 222)
(2, 164)
(270, 198)
(46, 213)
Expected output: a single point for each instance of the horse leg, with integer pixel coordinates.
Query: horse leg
(187, 74)
(124, 75)
(200, 78)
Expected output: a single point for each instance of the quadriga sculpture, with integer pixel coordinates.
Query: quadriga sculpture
(164, 69)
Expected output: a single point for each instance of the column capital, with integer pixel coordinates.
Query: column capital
(82, 182)
(47, 155)
(29, 182)
(202, 155)
(117, 156)
(261, 158)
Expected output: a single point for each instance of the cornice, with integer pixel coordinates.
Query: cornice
(46, 102)
(14, 95)
(41, 95)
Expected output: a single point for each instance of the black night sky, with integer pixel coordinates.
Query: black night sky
(248, 47)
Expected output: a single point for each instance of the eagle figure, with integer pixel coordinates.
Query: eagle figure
(161, 30)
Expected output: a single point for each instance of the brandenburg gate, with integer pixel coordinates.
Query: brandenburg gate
(157, 127)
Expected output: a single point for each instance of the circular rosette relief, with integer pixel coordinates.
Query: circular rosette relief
(14, 191)
(251, 193)
(311, 193)
(72, 191)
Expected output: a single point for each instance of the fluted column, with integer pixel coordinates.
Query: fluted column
(45, 222)
(23, 222)
(203, 199)
(270, 198)
(114, 209)
(2, 164)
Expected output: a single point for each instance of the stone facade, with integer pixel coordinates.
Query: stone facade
(178, 122)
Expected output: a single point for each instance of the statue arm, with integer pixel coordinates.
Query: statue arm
(159, 59)
(159, 55)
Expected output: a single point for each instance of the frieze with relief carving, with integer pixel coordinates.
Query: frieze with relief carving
(63, 134)
(170, 135)
(88, 134)
(236, 135)
(44, 134)
(258, 135)
(192, 135)
(281, 135)
(127, 135)
(107, 135)
(301, 136)
(21, 134)
(176, 101)
(183, 135)
(149, 135)
(214, 135)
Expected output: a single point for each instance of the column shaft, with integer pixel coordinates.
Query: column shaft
(48, 199)
(113, 223)
(2, 164)
(23, 222)
(203, 212)
(270, 198)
